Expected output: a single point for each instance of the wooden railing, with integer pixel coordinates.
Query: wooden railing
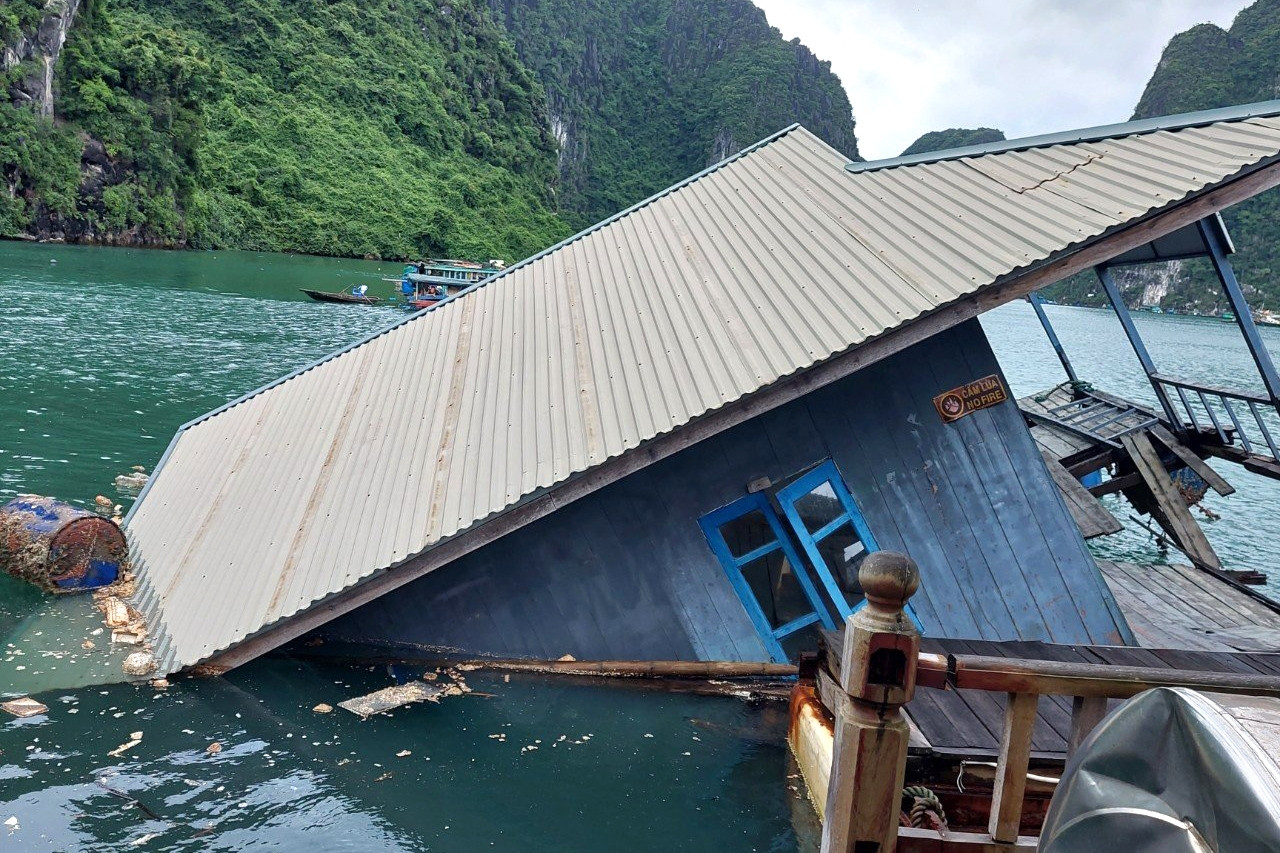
(1210, 407)
(1091, 685)
(879, 668)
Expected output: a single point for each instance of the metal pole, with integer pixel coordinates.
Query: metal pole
(1135, 340)
(1038, 306)
(1213, 239)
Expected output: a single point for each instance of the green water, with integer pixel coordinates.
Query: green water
(102, 357)
(104, 354)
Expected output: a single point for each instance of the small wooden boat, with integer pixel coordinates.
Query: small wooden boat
(344, 296)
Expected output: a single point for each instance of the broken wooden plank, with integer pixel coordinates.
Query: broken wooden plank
(1182, 526)
(1195, 463)
(1090, 515)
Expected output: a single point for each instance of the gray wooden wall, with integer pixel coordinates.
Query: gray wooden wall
(626, 573)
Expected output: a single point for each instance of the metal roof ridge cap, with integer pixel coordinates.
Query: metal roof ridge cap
(1178, 121)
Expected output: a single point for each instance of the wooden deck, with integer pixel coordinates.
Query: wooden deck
(1186, 608)
(966, 724)
(1185, 618)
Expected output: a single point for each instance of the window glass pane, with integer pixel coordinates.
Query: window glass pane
(748, 532)
(819, 507)
(773, 581)
(843, 552)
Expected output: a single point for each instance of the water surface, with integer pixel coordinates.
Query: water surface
(102, 357)
(104, 354)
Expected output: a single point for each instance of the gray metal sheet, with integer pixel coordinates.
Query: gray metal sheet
(767, 264)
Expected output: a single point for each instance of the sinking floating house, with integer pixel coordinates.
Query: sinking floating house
(674, 435)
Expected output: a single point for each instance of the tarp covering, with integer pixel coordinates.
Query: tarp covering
(1173, 770)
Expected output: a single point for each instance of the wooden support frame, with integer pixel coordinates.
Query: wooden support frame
(1180, 523)
(1195, 463)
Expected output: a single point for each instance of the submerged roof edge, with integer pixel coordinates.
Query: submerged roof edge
(168, 451)
(1178, 121)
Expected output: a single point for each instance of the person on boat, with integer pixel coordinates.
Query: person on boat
(359, 290)
(422, 268)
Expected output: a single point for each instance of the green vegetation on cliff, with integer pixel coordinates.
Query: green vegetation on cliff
(386, 127)
(1204, 68)
(955, 137)
(478, 128)
(642, 93)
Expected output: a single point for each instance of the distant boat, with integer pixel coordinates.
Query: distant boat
(1227, 315)
(347, 297)
(431, 281)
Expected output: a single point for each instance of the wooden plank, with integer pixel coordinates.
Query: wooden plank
(1183, 527)
(1090, 515)
(1195, 463)
(1180, 604)
(1118, 682)
(1249, 609)
(912, 840)
(1011, 767)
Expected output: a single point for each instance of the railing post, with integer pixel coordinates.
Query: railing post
(1086, 713)
(1011, 767)
(878, 674)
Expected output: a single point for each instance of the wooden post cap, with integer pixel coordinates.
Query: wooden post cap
(888, 579)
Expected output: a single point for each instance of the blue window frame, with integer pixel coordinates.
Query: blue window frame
(818, 512)
(768, 541)
(825, 519)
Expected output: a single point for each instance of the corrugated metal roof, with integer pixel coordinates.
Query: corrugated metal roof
(767, 264)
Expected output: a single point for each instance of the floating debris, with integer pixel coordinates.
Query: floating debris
(24, 707)
(115, 611)
(213, 748)
(393, 697)
(12, 823)
(139, 663)
(134, 739)
(127, 638)
(131, 482)
(322, 708)
(404, 753)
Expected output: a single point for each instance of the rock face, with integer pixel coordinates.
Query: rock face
(642, 93)
(37, 52)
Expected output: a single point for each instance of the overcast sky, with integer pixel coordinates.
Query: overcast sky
(1023, 66)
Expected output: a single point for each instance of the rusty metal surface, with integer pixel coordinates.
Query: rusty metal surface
(770, 263)
(57, 546)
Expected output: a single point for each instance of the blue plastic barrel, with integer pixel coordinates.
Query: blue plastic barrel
(57, 546)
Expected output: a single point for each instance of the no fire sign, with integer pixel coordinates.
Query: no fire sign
(979, 394)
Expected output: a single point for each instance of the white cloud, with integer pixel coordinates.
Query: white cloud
(1023, 66)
